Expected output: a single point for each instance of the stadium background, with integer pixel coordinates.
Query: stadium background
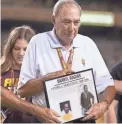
(37, 14)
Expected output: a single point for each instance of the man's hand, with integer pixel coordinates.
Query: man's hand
(96, 111)
(46, 115)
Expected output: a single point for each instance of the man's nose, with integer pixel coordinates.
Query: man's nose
(71, 26)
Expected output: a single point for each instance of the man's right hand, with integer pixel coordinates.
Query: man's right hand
(46, 115)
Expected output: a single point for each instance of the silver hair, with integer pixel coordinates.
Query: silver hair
(60, 3)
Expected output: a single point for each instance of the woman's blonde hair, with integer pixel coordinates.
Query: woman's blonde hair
(22, 32)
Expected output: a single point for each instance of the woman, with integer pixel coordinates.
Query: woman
(12, 58)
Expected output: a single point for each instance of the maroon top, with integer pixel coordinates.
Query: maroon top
(9, 80)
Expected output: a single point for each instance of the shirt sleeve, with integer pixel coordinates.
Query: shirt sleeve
(91, 95)
(28, 69)
(103, 78)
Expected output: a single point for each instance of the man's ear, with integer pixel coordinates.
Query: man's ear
(53, 19)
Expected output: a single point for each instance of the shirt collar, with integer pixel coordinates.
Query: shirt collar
(54, 40)
(55, 43)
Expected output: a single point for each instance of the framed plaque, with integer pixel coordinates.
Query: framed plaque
(72, 95)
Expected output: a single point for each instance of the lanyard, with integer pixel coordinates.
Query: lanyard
(12, 80)
(13, 87)
(12, 77)
(66, 65)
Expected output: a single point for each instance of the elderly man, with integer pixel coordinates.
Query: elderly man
(60, 51)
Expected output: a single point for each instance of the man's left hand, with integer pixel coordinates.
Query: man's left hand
(96, 111)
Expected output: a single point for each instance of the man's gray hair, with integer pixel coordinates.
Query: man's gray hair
(60, 3)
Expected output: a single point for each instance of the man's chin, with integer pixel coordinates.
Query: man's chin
(70, 38)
